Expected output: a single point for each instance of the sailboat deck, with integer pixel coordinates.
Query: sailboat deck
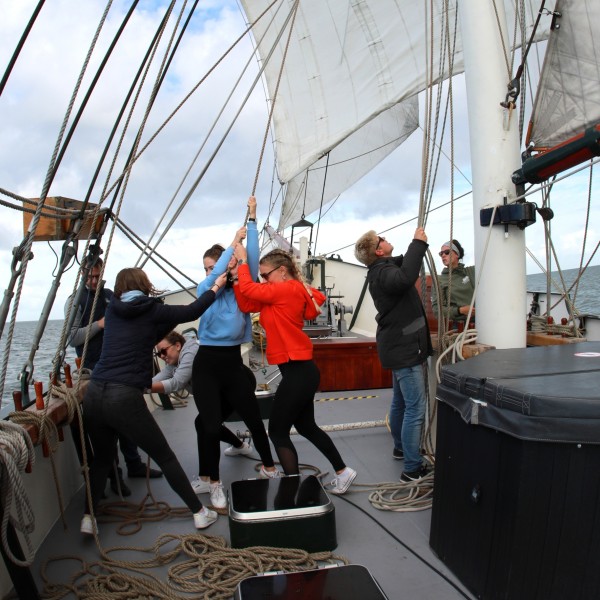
(394, 546)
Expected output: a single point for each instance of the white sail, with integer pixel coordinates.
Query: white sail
(568, 97)
(347, 162)
(349, 61)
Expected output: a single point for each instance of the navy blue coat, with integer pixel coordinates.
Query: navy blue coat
(132, 329)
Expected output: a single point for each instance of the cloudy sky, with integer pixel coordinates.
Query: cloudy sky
(36, 97)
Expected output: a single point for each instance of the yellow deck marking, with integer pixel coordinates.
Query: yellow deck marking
(345, 398)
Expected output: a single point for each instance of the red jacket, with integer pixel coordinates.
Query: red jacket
(283, 308)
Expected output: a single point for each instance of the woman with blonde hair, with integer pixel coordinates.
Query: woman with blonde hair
(135, 321)
(284, 302)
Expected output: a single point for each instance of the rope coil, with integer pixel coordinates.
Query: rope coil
(16, 452)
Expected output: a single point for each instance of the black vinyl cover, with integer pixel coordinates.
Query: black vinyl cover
(549, 393)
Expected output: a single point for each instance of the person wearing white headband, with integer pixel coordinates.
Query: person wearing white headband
(457, 285)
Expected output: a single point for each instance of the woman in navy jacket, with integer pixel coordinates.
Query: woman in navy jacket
(135, 321)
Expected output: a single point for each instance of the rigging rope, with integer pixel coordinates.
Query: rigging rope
(218, 146)
(20, 45)
(28, 240)
(293, 13)
(206, 567)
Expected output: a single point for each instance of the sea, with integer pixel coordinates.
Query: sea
(587, 301)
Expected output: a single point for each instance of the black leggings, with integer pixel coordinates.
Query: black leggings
(220, 385)
(293, 405)
(110, 409)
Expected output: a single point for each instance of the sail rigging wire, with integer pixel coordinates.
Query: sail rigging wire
(577, 279)
(294, 12)
(502, 39)
(467, 335)
(585, 230)
(58, 213)
(26, 244)
(63, 336)
(443, 324)
(221, 141)
(20, 45)
(206, 137)
(86, 98)
(152, 253)
(122, 110)
(112, 230)
(320, 207)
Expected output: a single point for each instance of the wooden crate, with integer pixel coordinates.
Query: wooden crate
(49, 229)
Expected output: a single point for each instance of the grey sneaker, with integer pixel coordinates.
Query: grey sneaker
(217, 495)
(200, 486)
(87, 525)
(204, 518)
(243, 450)
(343, 481)
(264, 474)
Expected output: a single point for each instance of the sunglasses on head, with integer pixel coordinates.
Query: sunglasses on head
(163, 351)
(445, 252)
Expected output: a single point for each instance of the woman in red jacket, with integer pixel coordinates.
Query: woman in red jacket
(284, 303)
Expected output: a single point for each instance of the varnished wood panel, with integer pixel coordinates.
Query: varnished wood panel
(349, 364)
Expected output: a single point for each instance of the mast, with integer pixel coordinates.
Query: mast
(501, 295)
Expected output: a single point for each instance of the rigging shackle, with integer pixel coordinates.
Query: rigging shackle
(19, 255)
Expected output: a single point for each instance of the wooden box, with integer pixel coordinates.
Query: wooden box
(349, 364)
(50, 229)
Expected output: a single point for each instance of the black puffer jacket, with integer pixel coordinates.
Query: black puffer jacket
(132, 329)
(403, 338)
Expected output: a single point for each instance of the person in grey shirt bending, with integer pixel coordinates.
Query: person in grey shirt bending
(178, 354)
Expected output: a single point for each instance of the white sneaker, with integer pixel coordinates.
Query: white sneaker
(217, 495)
(204, 518)
(343, 481)
(264, 474)
(243, 450)
(200, 485)
(87, 525)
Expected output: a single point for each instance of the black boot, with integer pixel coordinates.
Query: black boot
(116, 482)
(139, 470)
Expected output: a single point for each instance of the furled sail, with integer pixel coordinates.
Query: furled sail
(568, 97)
(348, 63)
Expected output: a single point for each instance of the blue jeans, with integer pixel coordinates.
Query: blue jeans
(407, 413)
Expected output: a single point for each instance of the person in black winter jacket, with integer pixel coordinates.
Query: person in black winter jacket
(403, 339)
(135, 321)
(78, 335)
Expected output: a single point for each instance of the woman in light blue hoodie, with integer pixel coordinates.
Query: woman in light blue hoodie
(220, 380)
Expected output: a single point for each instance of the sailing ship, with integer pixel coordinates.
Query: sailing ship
(343, 82)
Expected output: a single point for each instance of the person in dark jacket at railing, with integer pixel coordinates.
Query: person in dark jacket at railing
(403, 339)
(78, 334)
(135, 321)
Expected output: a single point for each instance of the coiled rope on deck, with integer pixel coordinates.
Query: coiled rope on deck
(16, 452)
(207, 568)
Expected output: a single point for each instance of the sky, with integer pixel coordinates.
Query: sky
(36, 97)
